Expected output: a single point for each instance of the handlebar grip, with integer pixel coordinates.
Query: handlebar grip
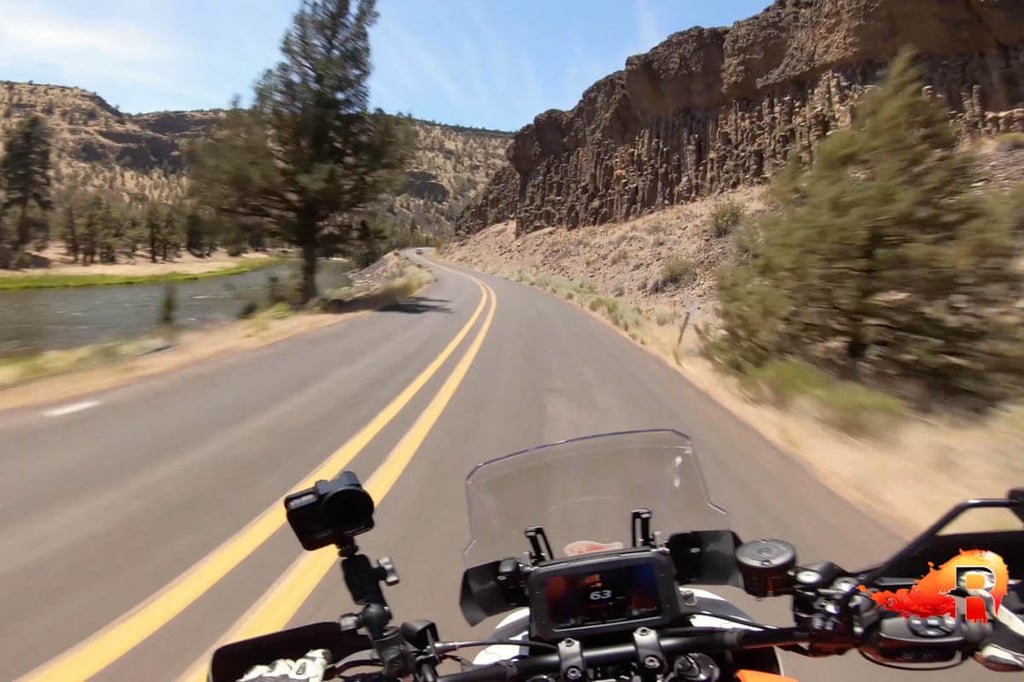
(490, 673)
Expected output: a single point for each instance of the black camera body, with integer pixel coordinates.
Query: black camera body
(331, 512)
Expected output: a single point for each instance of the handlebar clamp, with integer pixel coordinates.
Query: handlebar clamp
(570, 660)
(648, 652)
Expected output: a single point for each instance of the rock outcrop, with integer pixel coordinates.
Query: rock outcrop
(709, 110)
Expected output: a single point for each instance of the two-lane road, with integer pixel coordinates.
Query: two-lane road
(149, 503)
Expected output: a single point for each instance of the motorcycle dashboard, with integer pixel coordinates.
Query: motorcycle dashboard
(601, 594)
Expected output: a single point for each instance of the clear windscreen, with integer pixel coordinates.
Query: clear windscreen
(583, 491)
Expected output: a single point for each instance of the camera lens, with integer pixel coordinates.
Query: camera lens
(348, 509)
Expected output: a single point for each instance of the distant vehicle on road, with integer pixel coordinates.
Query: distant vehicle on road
(419, 252)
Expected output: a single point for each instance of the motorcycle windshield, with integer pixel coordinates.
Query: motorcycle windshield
(583, 492)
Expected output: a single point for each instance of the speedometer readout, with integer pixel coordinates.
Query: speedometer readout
(598, 597)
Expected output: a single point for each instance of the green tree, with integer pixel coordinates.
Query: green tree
(69, 229)
(91, 228)
(308, 154)
(154, 226)
(197, 240)
(113, 227)
(135, 229)
(170, 230)
(882, 256)
(25, 172)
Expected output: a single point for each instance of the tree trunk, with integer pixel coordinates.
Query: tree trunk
(152, 243)
(309, 264)
(73, 242)
(24, 228)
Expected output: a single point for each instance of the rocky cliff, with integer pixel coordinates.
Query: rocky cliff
(709, 110)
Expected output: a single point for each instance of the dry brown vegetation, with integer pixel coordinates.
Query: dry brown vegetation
(451, 165)
(98, 147)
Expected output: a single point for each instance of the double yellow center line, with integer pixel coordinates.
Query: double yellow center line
(284, 598)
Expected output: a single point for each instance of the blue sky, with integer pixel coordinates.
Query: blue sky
(490, 63)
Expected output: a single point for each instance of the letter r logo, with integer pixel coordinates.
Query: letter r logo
(974, 578)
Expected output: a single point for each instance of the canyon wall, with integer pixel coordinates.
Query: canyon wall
(709, 110)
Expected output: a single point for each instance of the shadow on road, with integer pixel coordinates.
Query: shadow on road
(413, 304)
(418, 304)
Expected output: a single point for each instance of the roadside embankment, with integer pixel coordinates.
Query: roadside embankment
(653, 280)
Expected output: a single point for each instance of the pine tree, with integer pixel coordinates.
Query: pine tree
(309, 152)
(153, 221)
(25, 172)
(90, 237)
(69, 227)
(882, 257)
(169, 235)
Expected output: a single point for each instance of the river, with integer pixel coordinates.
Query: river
(33, 320)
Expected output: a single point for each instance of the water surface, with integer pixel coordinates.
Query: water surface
(44, 319)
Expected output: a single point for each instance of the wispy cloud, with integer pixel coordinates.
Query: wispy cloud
(472, 46)
(648, 32)
(464, 64)
(490, 48)
(464, 61)
(580, 73)
(532, 90)
(425, 67)
(79, 51)
(42, 35)
(515, 83)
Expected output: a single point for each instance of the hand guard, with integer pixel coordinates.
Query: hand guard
(310, 668)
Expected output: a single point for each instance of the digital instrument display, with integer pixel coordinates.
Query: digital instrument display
(597, 596)
(604, 593)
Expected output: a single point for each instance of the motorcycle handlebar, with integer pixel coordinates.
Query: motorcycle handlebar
(622, 653)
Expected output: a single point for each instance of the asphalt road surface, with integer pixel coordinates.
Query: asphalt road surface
(134, 524)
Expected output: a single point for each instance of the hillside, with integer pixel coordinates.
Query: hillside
(96, 145)
(712, 109)
(453, 164)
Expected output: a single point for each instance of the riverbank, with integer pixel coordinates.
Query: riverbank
(62, 375)
(55, 376)
(185, 268)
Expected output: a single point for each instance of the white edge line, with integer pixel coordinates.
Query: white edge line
(71, 409)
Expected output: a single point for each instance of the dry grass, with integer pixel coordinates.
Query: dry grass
(726, 217)
(393, 279)
(1011, 141)
(678, 271)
